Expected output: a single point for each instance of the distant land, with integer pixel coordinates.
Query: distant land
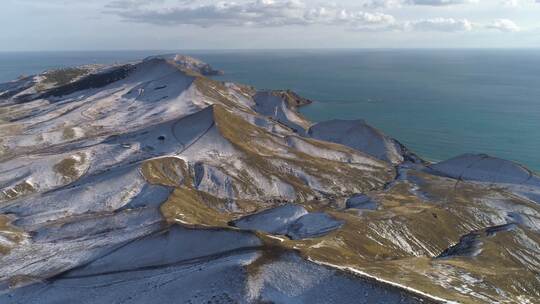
(153, 181)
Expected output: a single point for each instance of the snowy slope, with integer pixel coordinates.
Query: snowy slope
(360, 136)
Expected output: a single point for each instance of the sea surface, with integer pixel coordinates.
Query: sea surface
(440, 103)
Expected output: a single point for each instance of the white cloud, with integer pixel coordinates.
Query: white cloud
(400, 3)
(504, 25)
(382, 3)
(440, 25)
(279, 13)
(510, 3)
(439, 2)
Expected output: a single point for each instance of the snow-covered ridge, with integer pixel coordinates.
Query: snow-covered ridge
(147, 181)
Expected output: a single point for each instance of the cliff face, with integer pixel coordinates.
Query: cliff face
(146, 182)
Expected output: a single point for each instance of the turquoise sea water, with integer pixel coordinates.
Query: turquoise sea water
(440, 103)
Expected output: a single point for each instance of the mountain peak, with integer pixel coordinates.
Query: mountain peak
(189, 63)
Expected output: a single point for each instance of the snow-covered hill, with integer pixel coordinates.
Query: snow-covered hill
(148, 182)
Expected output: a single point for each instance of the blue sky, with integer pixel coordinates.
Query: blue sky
(38, 25)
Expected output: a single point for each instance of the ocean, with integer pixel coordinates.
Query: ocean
(440, 103)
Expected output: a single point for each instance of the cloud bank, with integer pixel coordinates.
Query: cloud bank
(280, 13)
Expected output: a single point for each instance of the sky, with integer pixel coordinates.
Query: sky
(48, 25)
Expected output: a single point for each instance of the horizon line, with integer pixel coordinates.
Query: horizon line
(268, 49)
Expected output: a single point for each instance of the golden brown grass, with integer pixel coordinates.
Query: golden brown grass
(11, 233)
(69, 169)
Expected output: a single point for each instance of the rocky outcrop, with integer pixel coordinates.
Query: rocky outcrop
(277, 107)
(292, 99)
